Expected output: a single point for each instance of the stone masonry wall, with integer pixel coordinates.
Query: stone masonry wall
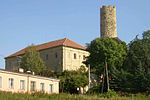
(71, 63)
(108, 21)
(58, 59)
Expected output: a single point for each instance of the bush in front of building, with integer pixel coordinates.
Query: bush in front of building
(71, 80)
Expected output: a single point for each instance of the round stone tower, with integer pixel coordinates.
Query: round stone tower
(108, 23)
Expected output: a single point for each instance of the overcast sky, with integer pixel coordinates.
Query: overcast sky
(23, 22)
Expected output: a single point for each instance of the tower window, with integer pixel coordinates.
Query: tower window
(75, 56)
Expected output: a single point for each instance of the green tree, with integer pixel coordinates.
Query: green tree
(71, 80)
(138, 62)
(106, 50)
(31, 60)
(121, 80)
(139, 53)
(100, 48)
(140, 80)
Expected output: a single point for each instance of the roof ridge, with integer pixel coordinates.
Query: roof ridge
(65, 41)
(61, 42)
(50, 42)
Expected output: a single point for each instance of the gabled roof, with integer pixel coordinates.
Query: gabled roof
(62, 42)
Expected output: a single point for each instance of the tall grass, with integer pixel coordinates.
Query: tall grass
(63, 96)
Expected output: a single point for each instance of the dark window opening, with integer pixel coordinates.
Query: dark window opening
(47, 57)
(56, 55)
(51, 88)
(75, 56)
(84, 57)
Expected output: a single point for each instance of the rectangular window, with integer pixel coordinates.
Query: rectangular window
(46, 56)
(0, 82)
(51, 88)
(56, 55)
(75, 56)
(22, 84)
(42, 87)
(11, 83)
(33, 86)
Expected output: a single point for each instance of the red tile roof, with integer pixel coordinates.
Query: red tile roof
(62, 42)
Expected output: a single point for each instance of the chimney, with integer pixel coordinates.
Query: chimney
(21, 70)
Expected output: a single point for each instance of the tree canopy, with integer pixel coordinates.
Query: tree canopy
(138, 62)
(106, 54)
(71, 80)
(100, 48)
(31, 60)
(139, 53)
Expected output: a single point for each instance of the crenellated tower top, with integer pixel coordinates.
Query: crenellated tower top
(108, 25)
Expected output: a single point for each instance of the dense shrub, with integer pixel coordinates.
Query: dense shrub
(71, 80)
(95, 90)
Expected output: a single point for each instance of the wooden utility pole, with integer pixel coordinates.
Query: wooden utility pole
(89, 77)
(107, 73)
(103, 81)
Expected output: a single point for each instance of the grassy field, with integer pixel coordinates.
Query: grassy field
(40, 96)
